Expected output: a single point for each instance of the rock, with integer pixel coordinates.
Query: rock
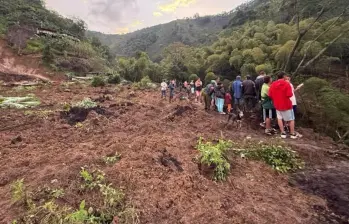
(4, 181)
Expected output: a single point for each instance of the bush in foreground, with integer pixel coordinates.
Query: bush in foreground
(214, 155)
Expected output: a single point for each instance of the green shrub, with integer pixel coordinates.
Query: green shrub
(193, 77)
(279, 158)
(267, 68)
(213, 155)
(110, 160)
(325, 108)
(86, 104)
(98, 81)
(210, 76)
(145, 81)
(34, 46)
(114, 79)
(248, 69)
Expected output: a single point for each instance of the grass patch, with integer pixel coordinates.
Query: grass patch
(24, 88)
(40, 113)
(214, 156)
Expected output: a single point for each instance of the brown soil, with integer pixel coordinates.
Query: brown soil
(158, 168)
(28, 67)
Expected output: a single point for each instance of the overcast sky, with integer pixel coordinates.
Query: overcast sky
(123, 16)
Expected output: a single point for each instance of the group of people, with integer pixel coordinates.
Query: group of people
(277, 99)
(192, 88)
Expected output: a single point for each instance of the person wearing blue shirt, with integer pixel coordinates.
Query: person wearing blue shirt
(237, 92)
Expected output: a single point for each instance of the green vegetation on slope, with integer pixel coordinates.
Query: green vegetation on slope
(62, 41)
(33, 13)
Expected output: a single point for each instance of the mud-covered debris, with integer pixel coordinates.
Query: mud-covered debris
(103, 98)
(77, 114)
(16, 140)
(167, 160)
(179, 111)
(132, 94)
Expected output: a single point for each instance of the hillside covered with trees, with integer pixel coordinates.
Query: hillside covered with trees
(30, 28)
(196, 31)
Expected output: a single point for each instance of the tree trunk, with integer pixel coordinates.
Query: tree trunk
(290, 56)
(306, 51)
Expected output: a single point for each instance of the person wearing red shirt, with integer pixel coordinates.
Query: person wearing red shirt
(280, 92)
(227, 101)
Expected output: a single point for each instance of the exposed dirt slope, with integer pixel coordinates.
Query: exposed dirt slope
(27, 66)
(162, 191)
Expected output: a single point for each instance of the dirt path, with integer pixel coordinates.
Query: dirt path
(162, 191)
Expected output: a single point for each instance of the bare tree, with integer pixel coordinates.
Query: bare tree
(302, 32)
(316, 57)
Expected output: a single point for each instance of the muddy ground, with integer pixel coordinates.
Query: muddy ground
(158, 170)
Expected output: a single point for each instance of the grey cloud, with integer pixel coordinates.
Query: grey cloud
(113, 11)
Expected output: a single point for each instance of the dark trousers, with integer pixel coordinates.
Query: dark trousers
(249, 102)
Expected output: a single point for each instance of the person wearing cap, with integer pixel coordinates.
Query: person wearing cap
(237, 92)
(249, 93)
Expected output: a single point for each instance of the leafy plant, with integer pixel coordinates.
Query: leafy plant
(114, 79)
(213, 155)
(18, 190)
(280, 158)
(91, 180)
(98, 81)
(129, 215)
(112, 159)
(81, 216)
(112, 197)
(46, 211)
(57, 193)
(86, 104)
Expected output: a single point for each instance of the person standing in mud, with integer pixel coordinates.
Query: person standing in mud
(172, 87)
(237, 92)
(280, 92)
(207, 94)
(163, 89)
(249, 93)
(198, 88)
(220, 95)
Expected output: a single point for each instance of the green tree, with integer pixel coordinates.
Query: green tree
(210, 76)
